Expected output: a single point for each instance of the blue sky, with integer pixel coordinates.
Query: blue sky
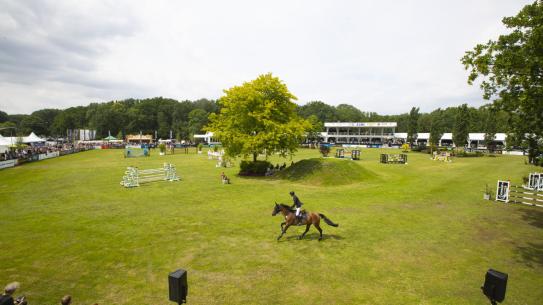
(382, 56)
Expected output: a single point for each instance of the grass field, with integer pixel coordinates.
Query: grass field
(409, 234)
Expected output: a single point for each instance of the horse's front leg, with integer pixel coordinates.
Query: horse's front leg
(282, 224)
(283, 231)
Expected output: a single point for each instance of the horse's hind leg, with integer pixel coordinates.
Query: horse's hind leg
(306, 229)
(320, 231)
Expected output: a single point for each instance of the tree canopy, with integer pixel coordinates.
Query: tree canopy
(461, 126)
(511, 68)
(412, 125)
(258, 117)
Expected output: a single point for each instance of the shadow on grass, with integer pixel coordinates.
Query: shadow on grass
(531, 254)
(312, 236)
(533, 217)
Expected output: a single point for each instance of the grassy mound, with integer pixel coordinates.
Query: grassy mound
(319, 171)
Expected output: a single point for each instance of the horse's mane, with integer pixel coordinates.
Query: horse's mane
(287, 207)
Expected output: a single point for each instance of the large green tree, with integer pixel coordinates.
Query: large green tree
(323, 111)
(412, 125)
(3, 117)
(348, 113)
(197, 120)
(258, 117)
(436, 128)
(460, 130)
(490, 128)
(315, 129)
(512, 73)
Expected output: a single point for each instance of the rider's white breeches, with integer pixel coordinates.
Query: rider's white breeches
(297, 211)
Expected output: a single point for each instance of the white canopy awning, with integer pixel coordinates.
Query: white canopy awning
(203, 136)
(400, 135)
(5, 141)
(33, 138)
(423, 136)
(480, 136)
(447, 136)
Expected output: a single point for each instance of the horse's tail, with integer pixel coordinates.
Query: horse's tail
(328, 221)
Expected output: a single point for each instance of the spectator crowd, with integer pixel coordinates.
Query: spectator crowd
(31, 153)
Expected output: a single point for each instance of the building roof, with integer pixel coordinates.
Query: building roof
(480, 136)
(203, 136)
(138, 137)
(447, 136)
(401, 135)
(360, 124)
(423, 136)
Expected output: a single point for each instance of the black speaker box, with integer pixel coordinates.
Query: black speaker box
(177, 282)
(495, 285)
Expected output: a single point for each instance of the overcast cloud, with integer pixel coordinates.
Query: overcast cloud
(379, 56)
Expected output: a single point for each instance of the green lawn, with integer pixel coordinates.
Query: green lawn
(409, 234)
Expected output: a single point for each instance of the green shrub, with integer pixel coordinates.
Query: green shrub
(325, 150)
(200, 145)
(162, 147)
(420, 148)
(465, 154)
(256, 168)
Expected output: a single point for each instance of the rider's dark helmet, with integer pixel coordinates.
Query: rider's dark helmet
(291, 192)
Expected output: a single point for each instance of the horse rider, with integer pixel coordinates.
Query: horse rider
(298, 204)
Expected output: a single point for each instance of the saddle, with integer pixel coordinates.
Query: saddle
(300, 221)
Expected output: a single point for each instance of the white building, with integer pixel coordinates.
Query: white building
(206, 138)
(359, 132)
(475, 140)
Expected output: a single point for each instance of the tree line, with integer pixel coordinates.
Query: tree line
(186, 118)
(118, 118)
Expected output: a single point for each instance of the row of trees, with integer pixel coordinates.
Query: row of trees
(475, 119)
(459, 120)
(187, 118)
(119, 118)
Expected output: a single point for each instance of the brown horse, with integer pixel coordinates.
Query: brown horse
(308, 220)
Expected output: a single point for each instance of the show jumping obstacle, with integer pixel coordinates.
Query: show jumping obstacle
(354, 154)
(131, 152)
(535, 181)
(444, 156)
(133, 177)
(394, 158)
(509, 193)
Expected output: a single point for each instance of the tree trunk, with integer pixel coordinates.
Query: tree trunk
(254, 157)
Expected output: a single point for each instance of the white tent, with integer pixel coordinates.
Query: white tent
(10, 141)
(401, 135)
(33, 138)
(480, 136)
(423, 136)
(4, 144)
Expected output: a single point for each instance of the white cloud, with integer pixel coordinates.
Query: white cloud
(383, 57)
